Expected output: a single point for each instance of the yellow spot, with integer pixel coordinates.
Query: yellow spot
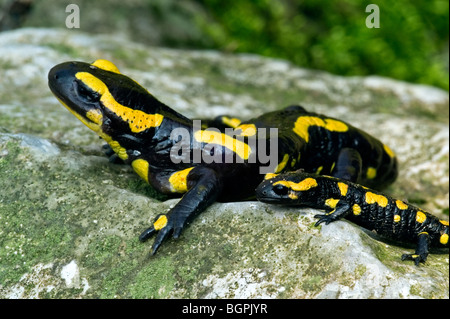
(420, 217)
(332, 166)
(247, 129)
(374, 198)
(356, 209)
(137, 120)
(140, 166)
(106, 65)
(401, 205)
(388, 151)
(397, 218)
(371, 172)
(293, 196)
(92, 125)
(160, 223)
(118, 149)
(96, 127)
(240, 148)
(178, 180)
(331, 202)
(270, 175)
(95, 116)
(444, 239)
(444, 222)
(304, 122)
(233, 122)
(319, 169)
(282, 164)
(293, 162)
(343, 188)
(304, 185)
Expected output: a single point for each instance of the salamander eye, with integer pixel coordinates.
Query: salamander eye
(85, 93)
(280, 190)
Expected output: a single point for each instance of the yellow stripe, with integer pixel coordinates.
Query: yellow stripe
(401, 205)
(95, 116)
(371, 172)
(343, 188)
(304, 122)
(160, 223)
(420, 217)
(211, 137)
(233, 122)
(140, 166)
(247, 129)
(270, 175)
(374, 198)
(389, 151)
(178, 180)
(356, 209)
(106, 65)
(331, 202)
(304, 185)
(282, 164)
(444, 239)
(137, 120)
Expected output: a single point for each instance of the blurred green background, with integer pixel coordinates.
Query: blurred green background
(412, 43)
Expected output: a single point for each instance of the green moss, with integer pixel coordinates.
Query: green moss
(333, 37)
(102, 251)
(312, 284)
(155, 280)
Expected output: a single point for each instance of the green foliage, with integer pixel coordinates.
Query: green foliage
(411, 43)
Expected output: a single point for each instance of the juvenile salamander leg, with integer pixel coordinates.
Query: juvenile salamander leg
(421, 250)
(341, 210)
(348, 165)
(203, 188)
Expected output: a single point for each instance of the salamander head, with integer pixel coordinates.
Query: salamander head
(105, 100)
(294, 188)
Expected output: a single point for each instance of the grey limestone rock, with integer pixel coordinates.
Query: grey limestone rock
(69, 219)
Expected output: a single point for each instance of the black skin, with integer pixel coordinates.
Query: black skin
(345, 155)
(372, 216)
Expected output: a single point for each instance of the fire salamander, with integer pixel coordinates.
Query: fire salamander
(365, 207)
(204, 165)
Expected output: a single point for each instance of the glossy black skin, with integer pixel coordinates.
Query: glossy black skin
(352, 151)
(372, 216)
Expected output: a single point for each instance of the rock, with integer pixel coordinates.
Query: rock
(70, 219)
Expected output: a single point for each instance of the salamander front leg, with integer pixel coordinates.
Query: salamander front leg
(203, 189)
(341, 210)
(420, 256)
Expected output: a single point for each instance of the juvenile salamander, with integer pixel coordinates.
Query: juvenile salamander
(370, 209)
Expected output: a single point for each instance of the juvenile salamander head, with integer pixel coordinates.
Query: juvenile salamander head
(293, 188)
(108, 102)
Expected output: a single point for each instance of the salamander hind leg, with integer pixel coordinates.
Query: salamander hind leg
(420, 256)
